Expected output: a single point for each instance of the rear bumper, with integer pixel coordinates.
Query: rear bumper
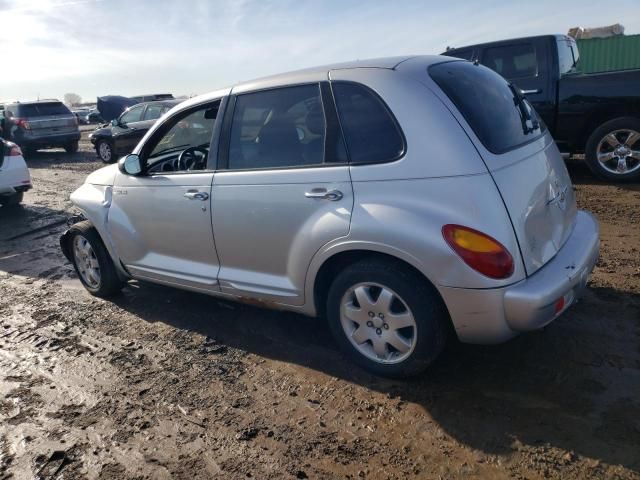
(14, 176)
(49, 140)
(495, 315)
(531, 304)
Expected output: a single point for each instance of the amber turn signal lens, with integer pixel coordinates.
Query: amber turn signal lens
(478, 250)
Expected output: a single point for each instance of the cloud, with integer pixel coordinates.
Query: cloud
(120, 46)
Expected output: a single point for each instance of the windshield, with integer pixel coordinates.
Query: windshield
(495, 109)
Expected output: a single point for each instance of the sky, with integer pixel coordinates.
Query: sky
(133, 47)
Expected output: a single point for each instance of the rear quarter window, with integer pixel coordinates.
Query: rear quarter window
(500, 118)
(371, 133)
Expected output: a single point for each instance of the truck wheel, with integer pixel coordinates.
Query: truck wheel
(386, 318)
(12, 200)
(104, 151)
(71, 147)
(613, 150)
(92, 261)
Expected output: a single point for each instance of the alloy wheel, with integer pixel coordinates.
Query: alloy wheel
(619, 152)
(105, 152)
(86, 261)
(378, 323)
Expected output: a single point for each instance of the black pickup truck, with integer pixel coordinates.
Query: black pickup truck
(596, 114)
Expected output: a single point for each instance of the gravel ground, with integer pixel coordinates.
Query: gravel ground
(160, 383)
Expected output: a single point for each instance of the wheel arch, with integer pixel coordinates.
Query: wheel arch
(601, 116)
(94, 202)
(335, 261)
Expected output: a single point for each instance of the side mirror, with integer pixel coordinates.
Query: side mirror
(114, 122)
(130, 165)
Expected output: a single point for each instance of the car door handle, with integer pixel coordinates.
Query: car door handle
(530, 92)
(323, 194)
(197, 196)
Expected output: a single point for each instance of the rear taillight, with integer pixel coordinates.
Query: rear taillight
(22, 123)
(481, 252)
(12, 150)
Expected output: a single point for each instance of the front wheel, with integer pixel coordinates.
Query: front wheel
(387, 318)
(613, 150)
(92, 262)
(105, 151)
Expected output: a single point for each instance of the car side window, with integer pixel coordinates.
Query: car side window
(282, 127)
(191, 129)
(132, 115)
(371, 133)
(512, 61)
(153, 112)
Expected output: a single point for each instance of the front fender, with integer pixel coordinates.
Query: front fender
(94, 201)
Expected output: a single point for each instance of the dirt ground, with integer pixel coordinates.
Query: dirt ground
(160, 383)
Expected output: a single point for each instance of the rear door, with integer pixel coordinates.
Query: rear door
(520, 154)
(525, 63)
(282, 191)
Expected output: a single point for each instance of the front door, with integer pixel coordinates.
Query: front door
(160, 221)
(129, 130)
(282, 192)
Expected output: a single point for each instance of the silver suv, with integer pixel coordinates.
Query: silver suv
(41, 124)
(395, 197)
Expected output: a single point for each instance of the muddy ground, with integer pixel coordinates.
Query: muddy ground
(159, 383)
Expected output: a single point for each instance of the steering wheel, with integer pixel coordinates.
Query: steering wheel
(189, 159)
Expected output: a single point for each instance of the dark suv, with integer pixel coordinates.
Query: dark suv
(41, 124)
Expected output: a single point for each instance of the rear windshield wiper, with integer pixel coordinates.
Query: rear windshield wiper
(526, 113)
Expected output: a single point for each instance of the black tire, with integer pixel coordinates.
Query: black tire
(110, 283)
(104, 149)
(430, 314)
(598, 135)
(28, 151)
(71, 147)
(12, 201)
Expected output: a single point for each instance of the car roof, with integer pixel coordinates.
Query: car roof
(314, 74)
(35, 102)
(499, 42)
(168, 103)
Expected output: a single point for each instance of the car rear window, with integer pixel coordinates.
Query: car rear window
(42, 109)
(371, 133)
(496, 111)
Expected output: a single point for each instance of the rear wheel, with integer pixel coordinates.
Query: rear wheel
(11, 200)
(71, 147)
(105, 151)
(92, 261)
(387, 318)
(613, 150)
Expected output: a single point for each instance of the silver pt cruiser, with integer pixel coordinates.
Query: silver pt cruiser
(395, 197)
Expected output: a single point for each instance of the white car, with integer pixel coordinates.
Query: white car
(14, 175)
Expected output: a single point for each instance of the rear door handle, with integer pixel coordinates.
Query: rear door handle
(197, 196)
(531, 92)
(323, 194)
